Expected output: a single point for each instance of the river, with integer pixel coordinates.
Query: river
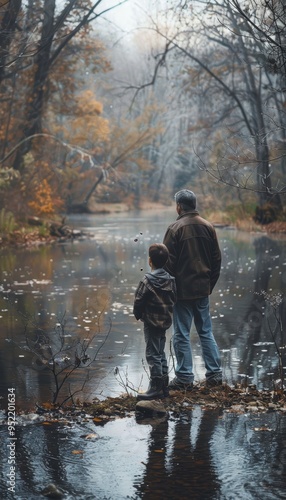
(55, 299)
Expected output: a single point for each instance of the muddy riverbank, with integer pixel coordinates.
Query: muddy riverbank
(238, 400)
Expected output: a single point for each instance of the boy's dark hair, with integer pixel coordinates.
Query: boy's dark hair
(158, 254)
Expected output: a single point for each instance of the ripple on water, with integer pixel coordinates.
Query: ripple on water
(204, 454)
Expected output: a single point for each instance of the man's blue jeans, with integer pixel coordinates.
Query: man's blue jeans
(185, 311)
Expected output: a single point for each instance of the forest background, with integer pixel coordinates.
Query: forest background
(103, 105)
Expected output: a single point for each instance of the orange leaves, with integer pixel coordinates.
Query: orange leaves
(44, 204)
(87, 105)
(98, 420)
(88, 128)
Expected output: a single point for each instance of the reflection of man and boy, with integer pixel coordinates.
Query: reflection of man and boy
(184, 271)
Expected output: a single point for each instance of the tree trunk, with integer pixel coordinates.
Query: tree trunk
(7, 29)
(254, 85)
(35, 109)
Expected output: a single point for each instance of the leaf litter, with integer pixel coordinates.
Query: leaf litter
(237, 400)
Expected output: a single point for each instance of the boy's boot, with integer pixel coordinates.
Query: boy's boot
(155, 389)
(165, 387)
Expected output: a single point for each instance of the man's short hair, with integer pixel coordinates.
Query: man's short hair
(158, 253)
(186, 198)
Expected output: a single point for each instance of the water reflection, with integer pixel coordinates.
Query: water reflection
(91, 285)
(261, 323)
(179, 461)
(199, 454)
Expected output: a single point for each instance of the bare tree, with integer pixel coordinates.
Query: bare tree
(64, 354)
(266, 23)
(214, 41)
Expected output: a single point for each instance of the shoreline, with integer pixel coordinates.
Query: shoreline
(235, 399)
(238, 400)
(30, 235)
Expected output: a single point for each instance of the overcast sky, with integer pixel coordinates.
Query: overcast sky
(129, 15)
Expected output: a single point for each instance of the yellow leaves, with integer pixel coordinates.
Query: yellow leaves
(88, 128)
(44, 204)
(88, 105)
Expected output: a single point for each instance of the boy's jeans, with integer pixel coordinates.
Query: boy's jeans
(185, 311)
(155, 340)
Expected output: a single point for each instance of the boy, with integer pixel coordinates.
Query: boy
(153, 304)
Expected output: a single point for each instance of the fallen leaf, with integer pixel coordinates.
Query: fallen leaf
(77, 452)
(48, 406)
(91, 436)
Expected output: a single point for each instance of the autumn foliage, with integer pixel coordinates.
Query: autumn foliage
(57, 146)
(78, 152)
(44, 203)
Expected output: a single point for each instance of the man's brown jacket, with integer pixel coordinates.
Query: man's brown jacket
(194, 255)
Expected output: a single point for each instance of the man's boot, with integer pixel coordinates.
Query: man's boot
(155, 389)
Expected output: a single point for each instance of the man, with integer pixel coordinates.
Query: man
(194, 261)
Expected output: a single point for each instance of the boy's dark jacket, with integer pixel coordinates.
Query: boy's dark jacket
(154, 299)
